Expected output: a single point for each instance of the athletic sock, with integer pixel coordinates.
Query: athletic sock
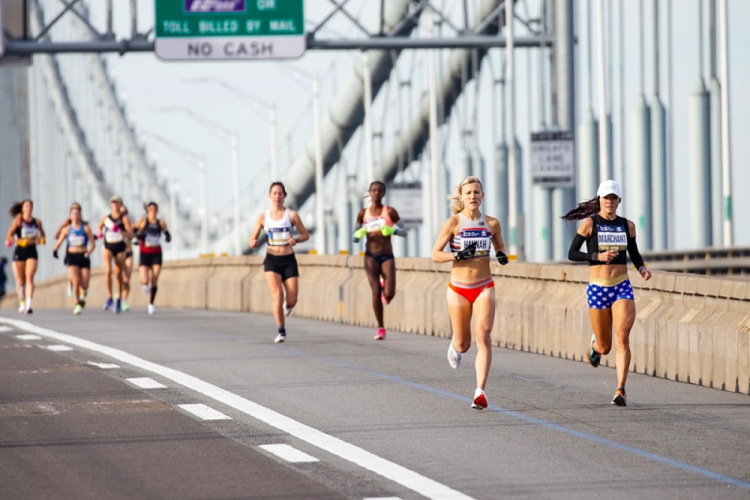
(28, 303)
(282, 330)
(153, 293)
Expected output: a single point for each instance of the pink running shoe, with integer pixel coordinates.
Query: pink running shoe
(380, 335)
(480, 400)
(382, 294)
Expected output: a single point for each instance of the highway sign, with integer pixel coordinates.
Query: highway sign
(195, 30)
(406, 198)
(553, 159)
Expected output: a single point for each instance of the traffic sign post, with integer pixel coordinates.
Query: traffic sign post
(195, 30)
(553, 159)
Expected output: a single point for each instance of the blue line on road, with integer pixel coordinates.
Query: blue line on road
(536, 421)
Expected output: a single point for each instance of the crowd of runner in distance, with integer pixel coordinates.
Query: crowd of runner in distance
(468, 240)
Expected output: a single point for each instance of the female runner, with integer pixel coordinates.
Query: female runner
(148, 231)
(81, 245)
(376, 221)
(471, 287)
(610, 294)
(27, 233)
(59, 231)
(280, 264)
(118, 228)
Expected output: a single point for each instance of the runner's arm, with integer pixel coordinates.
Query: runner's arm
(401, 229)
(574, 253)
(297, 222)
(167, 236)
(63, 234)
(65, 224)
(256, 231)
(42, 234)
(9, 238)
(92, 240)
(439, 255)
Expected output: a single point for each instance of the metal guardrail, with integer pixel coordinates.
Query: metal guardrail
(733, 261)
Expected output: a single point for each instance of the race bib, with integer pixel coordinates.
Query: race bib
(28, 232)
(278, 236)
(152, 240)
(113, 237)
(612, 238)
(373, 225)
(481, 238)
(76, 240)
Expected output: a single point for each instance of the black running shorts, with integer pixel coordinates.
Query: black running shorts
(78, 260)
(283, 265)
(25, 253)
(150, 259)
(115, 248)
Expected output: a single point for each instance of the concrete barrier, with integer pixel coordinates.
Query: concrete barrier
(693, 329)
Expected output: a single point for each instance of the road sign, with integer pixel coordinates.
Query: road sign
(406, 198)
(195, 30)
(553, 159)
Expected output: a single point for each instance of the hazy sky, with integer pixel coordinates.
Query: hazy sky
(148, 83)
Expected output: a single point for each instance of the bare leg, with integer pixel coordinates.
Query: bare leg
(19, 273)
(119, 267)
(388, 270)
(107, 257)
(373, 269)
(31, 266)
(459, 309)
(601, 322)
(291, 287)
(74, 277)
(623, 312)
(274, 283)
(484, 317)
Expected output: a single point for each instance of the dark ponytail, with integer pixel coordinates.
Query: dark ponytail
(15, 209)
(584, 210)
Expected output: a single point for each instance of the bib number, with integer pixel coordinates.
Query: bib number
(278, 236)
(153, 240)
(28, 232)
(76, 240)
(113, 237)
(612, 238)
(373, 225)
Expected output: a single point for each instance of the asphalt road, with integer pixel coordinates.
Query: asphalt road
(382, 419)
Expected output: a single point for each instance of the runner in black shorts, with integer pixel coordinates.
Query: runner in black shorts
(377, 222)
(81, 245)
(148, 231)
(127, 270)
(280, 265)
(59, 231)
(27, 233)
(117, 228)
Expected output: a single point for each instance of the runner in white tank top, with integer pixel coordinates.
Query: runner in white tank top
(280, 265)
(471, 287)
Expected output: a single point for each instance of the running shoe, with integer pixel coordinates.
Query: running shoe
(108, 304)
(29, 311)
(125, 306)
(454, 358)
(118, 307)
(287, 310)
(151, 309)
(146, 289)
(77, 309)
(480, 400)
(280, 338)
(594, 357)
(380, 335)
(22, 307)
(620, 398)
(70, 290)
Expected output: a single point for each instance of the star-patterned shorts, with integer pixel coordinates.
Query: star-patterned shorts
(602, 297)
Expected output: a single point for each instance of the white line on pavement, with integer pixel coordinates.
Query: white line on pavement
(5, 328)
(396, 473)
(58, 348)
(288, 453)
(382, 498)
(204, 412)
(28, 337)
(146, 383)
(103, 366)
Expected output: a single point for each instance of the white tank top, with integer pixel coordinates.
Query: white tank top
(278, 231)
(473, 232)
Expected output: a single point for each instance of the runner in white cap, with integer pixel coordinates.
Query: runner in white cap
(610, 295)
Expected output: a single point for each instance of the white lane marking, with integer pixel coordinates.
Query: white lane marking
(58, 348)
(396, 473)
(382, 498)
(288, 453)
(146, 383)
(204, 412)
(103, 366)
(26, 337)
(6, 329)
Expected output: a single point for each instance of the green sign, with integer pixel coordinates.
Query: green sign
(229, 29)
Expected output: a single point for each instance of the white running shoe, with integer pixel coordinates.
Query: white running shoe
(454, 358)
(151, 309)
(22, 307)
(280, 338)
(146, 289)
(480, 400)
(287, 310)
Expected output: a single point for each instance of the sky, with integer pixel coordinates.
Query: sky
(147, 83)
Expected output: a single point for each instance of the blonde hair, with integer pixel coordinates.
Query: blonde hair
(457, 205)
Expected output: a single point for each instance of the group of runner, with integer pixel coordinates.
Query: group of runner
(115, 229)
(466, 240)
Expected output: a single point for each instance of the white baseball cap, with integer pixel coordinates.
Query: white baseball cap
(607, 188)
